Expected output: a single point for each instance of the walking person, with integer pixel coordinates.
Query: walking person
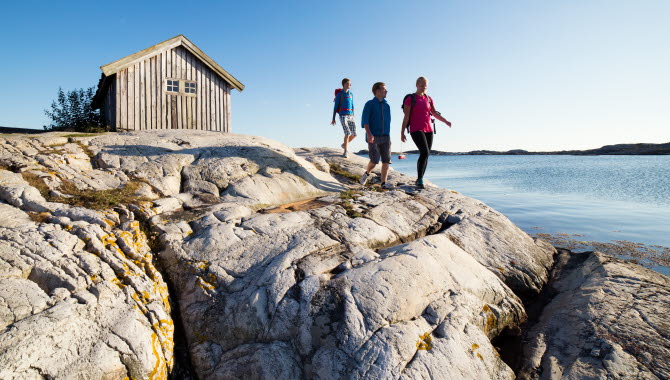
(344, 106)
(376, 120)
(418, 108)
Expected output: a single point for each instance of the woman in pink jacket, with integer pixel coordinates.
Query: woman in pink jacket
(418, 108)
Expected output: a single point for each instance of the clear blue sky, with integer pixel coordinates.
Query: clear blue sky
(536, 75)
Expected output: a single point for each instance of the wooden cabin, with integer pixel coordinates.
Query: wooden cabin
(171, 85)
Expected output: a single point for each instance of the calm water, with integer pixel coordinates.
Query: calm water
(604, 198)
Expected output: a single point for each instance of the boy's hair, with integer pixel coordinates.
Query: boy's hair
(420, 79)
(376, 87)
(345, 80)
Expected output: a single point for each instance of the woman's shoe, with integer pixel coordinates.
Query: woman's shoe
(419, 184)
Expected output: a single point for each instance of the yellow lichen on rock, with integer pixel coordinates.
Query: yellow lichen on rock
(425, 342)
(473, 350)
(205, 285)
(490, 317)
(160, 370)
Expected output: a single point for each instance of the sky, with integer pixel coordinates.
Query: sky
(521, 74)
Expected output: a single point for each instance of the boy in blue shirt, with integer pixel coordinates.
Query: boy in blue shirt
(376, 120)
(344, 105)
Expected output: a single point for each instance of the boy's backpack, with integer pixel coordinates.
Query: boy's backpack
(337, 91)
(413, 102)
(339, 106)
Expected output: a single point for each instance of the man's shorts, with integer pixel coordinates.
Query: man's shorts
(380, 148)
(348, 125)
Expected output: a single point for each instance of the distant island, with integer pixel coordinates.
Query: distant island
(618, 149)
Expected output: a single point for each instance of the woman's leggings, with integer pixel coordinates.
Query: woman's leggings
(423, 141)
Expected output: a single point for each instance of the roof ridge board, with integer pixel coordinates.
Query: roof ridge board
(120, 64)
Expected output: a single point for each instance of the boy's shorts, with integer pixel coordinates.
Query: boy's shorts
(380, 148)
(348, 125)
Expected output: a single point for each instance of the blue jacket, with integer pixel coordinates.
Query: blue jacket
(344, 103)
(378, 117)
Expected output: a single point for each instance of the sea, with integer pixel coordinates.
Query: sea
(616, 204)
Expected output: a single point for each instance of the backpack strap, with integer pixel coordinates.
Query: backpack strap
(339, 104)
(411, 106)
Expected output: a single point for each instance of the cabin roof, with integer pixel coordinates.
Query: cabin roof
(116, 66)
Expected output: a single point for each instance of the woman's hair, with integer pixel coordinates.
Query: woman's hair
(376, 87)
(345, 80)
(421, 79)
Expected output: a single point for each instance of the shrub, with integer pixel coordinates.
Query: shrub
(72, 111)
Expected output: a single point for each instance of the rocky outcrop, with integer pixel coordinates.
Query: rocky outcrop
(334, 299)
(607, 319)
(79, 295)
(356, 283)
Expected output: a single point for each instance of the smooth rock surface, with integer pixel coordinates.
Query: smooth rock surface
(521, 262)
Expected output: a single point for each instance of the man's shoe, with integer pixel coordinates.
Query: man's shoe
(419, 184)
(387, 186)
(344, 154)
(364, 178)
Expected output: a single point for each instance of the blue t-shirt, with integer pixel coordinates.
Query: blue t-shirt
(344, 103)
(377, 115)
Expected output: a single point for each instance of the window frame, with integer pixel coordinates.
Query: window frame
(181, 83)
(168, 85)
(195, 87)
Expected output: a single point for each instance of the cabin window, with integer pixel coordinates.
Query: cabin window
(189, 87)
(172, 85)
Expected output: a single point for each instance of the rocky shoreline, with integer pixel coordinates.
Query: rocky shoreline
(191, 254)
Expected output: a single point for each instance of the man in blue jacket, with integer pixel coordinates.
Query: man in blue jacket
(344, 106)
(376, 120)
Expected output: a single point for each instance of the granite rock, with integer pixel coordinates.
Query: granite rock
(606, 319)
(357, 284)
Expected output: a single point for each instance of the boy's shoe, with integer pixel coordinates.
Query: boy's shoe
(419, 184)
(364, 178)
(344, 154)
(387, 186)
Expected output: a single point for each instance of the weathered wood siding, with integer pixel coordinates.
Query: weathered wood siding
(138, 97)
(108, 108)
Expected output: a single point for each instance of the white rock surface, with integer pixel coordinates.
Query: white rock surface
(498, 244)
(13, 217)
(76, 301)
(368, 315)
(261, 170)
